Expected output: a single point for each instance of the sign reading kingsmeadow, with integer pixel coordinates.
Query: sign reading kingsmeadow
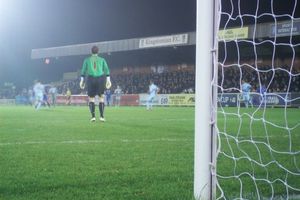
(169, 40)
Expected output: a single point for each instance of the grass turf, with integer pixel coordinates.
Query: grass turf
(260, 151)
(137, 154)
(58, 154)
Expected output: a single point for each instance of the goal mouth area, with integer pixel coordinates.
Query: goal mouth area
(254, 100)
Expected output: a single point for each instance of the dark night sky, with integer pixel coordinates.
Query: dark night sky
(28, 24)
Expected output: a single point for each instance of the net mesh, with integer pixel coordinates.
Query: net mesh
(258, 154)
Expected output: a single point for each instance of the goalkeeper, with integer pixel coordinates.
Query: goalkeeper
(96, 71)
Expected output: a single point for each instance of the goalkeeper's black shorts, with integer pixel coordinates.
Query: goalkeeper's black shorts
(95, 85)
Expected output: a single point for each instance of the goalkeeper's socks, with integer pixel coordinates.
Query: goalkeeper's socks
(101, 109)
(92, 108)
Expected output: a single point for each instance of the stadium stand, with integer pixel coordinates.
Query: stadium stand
(180, 78)
(276, 80)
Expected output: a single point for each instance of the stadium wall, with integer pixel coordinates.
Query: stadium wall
(225, 100)
(7, 101)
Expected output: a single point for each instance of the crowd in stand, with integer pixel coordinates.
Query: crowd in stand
(278, 79)
(73, 85)
(181, 79)
(7, 94)
(168, 82)
(135, 80)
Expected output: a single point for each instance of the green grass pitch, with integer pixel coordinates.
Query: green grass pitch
(137, 154)
(261, 149)
(58, 154)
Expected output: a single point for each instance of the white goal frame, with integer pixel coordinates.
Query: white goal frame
(206, 100)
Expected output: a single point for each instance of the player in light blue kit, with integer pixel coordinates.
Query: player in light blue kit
(39, 90)
(246, 88)
(153, 90)
(118, 93)
(53, 93)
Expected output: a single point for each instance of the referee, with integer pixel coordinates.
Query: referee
(94, 67)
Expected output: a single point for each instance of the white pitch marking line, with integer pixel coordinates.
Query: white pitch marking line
(96, 141)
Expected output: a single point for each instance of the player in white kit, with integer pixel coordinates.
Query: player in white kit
(39, 90)
(153, 90)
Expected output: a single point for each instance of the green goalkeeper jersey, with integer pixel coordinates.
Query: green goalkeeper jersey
(94, 66)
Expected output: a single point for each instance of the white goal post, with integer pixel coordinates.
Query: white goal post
(205, 100)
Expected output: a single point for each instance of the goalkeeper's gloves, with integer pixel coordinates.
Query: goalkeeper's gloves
(81, 84)
(108, 83)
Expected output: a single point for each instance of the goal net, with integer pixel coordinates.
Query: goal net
(258, 126)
